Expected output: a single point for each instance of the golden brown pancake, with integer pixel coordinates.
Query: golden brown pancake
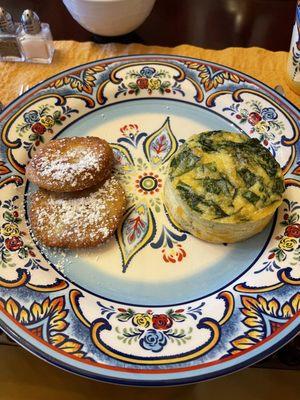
(71, 164)
(79, 219)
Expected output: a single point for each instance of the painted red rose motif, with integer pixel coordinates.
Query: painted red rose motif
(161, 322)
(293, 231)
(14, 243)
(254, 118)
(38, 128)
(142, 83)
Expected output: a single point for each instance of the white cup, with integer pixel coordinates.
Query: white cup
(109, 17)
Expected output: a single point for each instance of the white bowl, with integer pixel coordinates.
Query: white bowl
(109, 17)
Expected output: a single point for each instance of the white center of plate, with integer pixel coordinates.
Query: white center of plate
(188, 269)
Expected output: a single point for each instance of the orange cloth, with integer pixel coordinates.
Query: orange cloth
(24, 376)
(267, 66)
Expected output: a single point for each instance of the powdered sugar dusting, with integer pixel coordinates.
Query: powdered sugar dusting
(84, 216)
(66, 167)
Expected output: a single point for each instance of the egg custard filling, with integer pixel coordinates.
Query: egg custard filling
(224, 177)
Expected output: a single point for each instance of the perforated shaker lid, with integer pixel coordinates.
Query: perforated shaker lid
(31, 22)
(6, 22)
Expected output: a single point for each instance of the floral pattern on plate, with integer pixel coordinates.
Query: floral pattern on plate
(108, 339)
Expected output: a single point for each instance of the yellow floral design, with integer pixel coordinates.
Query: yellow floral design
(210, 79)
(259, 313)
(287, 243)
(154, 83)
(47, 121)
(84, 81)
(142, 320)
(51, 313)
(10, 229)
(262, 127)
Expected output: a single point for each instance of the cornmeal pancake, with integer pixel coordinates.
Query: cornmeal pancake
(223, 187)
(71, 164)
(79, 219)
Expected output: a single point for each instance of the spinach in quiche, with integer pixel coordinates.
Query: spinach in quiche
(248, 177)
(221, 174)
(183, 162)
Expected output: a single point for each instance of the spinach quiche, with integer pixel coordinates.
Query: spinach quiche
(223, 186)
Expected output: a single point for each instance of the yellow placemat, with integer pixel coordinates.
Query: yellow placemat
(267, 66)
(24, 376)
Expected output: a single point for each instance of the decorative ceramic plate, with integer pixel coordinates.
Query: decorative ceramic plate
(154, 305)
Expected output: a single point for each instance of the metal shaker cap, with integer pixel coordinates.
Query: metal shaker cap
(31, 22)
(6, 22)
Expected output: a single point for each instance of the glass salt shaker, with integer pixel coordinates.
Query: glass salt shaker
(9, 46)
(293, 66)
(35, 39)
